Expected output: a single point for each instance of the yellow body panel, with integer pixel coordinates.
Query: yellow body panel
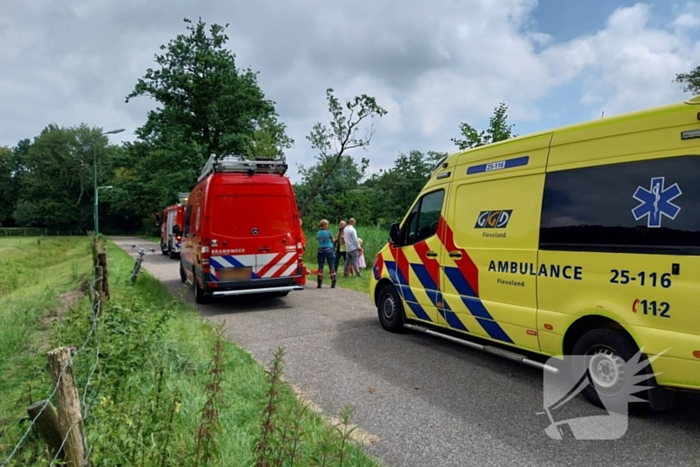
(498, 268)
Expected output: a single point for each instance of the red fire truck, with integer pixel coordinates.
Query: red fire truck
(241, 232)
(171, 230)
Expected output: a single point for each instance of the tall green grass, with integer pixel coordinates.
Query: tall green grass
(373, 239)
(35, 272)
(148, 392)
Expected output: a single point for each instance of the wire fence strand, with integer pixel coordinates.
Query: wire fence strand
(95, 305)
(63, 443)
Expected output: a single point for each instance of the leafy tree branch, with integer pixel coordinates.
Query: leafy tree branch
(498, 130)
(334, 140)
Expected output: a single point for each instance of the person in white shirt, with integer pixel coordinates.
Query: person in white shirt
(352, 247)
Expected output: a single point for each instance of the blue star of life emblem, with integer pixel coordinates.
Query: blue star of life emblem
(656, 202)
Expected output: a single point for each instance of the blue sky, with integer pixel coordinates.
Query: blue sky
(431, 64)
(565, 21)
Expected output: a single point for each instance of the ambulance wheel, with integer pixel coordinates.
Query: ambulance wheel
(390, 309)
(611, 380)
(183, 276)
(199, 295)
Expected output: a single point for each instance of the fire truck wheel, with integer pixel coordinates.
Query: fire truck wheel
(390, 309)
(199, 295)
(611, 363)
(163, 250)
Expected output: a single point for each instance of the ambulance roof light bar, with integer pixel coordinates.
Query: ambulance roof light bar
(241, 164)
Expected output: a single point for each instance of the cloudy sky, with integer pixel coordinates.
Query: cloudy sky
(431, 64)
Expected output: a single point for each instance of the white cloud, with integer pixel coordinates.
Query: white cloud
(432, 65)
(689, 19)
(627, 66)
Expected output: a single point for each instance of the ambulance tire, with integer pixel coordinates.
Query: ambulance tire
(390, 309)
(613, 387)
(199, 295)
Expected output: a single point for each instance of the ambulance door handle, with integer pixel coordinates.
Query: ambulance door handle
(455, 254)
(431, 254)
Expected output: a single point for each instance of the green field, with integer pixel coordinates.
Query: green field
(156, 355)
(36, 273)
(373, 238)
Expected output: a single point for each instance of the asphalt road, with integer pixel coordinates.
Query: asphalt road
(429, 402)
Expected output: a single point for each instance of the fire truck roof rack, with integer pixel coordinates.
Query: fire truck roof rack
(241, 164)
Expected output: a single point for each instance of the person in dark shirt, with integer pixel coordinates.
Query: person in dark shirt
(339, 245)
(325, 252)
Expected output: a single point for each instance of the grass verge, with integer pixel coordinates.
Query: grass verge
(150, 238)
(153, 397)
(360, 284)
(38, 275)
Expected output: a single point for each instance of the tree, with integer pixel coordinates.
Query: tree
(498, 130)
(690, 82)
(208, 105)
(335, 141)
(331, 199)
(12, 170)
(141, 187)
(268, 140)
(396, 189)
(8, 188)
(27, 214)
(55, 173)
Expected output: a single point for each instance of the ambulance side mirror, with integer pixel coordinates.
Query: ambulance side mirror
(395, 234)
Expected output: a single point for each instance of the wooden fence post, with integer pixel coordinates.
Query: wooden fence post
(102, 263)
(98, 289)
(95, 250)
(47, 426)
(68, 402)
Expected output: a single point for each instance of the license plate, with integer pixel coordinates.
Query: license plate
(235, 274)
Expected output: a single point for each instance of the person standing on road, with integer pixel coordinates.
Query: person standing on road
(339, 245)
(325, 252)
(352, 246)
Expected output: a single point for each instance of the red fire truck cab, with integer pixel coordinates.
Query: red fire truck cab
(171, 230)
(241, 231)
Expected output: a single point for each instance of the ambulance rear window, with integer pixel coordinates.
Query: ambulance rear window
(643, 206)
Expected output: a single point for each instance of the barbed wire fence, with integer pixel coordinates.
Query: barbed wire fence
(57, 426)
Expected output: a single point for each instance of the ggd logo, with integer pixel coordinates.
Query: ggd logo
(493, 219)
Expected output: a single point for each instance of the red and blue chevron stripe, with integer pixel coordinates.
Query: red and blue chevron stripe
(464, 277)
(264, 266)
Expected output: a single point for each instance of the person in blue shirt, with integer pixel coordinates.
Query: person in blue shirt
(325, 252)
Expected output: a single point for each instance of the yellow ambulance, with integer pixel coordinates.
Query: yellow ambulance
(583, 240)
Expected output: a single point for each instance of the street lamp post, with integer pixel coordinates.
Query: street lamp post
(96, 196)
(94, 165)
